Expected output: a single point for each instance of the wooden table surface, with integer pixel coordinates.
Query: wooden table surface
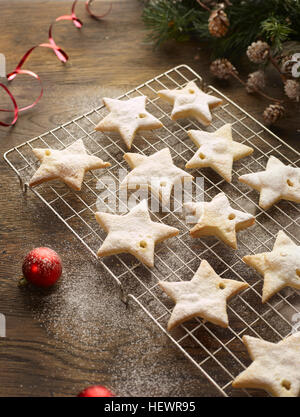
(46, 351)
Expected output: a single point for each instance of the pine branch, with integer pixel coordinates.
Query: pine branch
(276, 32)
(275, 21)
(166, 20)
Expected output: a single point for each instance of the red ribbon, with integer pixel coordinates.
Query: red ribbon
(61, 55)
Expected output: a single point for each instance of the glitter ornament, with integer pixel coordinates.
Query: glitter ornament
(96, 391)
(41, 267)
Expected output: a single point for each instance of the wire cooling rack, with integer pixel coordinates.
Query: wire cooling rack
(218, 353)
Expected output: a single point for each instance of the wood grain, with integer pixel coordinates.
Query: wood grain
(106, 58)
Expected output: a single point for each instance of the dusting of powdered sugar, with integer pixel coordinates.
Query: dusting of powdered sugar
(84, 316)
(79, 304)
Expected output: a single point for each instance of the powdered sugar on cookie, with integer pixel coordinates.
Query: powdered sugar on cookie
(217, 150)
(280, 268)
(191, 101)
(218, 218)
(127, 118)
(68, 165)
(275, 367)
(157, 172)
(133, 233)
(204, 296)
(277, 182)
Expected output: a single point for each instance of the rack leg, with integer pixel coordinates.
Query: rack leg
(23, 185)
(123, 294)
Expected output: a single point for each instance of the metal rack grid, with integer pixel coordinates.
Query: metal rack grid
(218, 353)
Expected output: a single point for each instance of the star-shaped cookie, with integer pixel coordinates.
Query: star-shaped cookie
(204, 296)
(191, 101)
(275, 367)
(68, 165)
(157, 172)
(280, 268)
(133, 233)
(127, 118)
(218, 218)
(217, 150)
(277, 182)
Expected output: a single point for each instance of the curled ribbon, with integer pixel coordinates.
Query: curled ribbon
(59, 52)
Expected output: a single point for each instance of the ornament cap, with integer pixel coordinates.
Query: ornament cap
(22, 282)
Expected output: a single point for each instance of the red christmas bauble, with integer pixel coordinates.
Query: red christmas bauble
(96, 391)
(42, 267)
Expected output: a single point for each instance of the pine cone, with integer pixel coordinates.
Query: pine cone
(218, 23)
(292, 89)
(256, 81)
(273, 113)
(258, 52)
(222, 68)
